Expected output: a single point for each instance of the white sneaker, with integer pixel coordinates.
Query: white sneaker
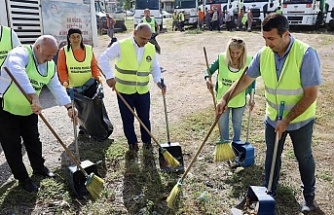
(308, 204)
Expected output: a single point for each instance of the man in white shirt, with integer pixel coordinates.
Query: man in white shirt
(32, 67)
(135, 59)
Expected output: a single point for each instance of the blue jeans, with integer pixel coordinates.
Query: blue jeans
(237, 114)
(301, 141)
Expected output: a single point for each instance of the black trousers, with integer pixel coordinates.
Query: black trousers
(12, 128)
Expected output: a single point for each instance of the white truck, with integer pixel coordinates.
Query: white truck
(304, 12)
(260, 8)
(329, 16)
(33, 18)
(153, 5)
(190, 8)
(102, 7)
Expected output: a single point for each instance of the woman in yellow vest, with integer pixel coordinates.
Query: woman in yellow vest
(230, 66)
(291, 73)
(76, 63)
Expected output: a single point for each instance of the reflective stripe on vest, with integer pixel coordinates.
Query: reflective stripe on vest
(288, 88)
(226, 78)
(152, 23)
(14, 101)
(130, 77)
(6, 43)
(79, 72)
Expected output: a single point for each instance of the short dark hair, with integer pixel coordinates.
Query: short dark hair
(275, 20)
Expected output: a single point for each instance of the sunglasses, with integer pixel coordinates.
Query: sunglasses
(237, 40)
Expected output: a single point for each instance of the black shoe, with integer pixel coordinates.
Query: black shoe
(29, 185)
(134, 147)
(44, 172)
(308, 204)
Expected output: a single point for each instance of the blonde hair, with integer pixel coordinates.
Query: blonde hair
(236, 43)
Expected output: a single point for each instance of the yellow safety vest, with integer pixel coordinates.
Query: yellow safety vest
(279, 11)
(79, 72)
(130, 76)
(226, 78)
(152, 23)
(14, 101)
(289, 87)
(6, 43)
(181, 17)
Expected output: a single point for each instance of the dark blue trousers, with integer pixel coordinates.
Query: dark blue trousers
(141, 104)
(302, 146)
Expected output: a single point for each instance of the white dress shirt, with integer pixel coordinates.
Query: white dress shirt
(113, 53)
(16, 61)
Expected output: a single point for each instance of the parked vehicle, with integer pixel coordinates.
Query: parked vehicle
(166, 15)
(329, 16)
(190, 8)
(103, 7)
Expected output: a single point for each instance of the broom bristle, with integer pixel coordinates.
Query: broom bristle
(95, 186)
(224, 152)
(172, 162)
(174, 194)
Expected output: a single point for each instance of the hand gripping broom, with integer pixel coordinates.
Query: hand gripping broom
(94, 184)
(171, 161)
(223, 150)
(177, 188)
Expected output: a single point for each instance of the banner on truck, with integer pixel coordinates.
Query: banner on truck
(59, 16)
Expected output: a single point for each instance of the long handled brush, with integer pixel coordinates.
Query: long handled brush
(172, 162)
(94, 184)
(223, 150)
(249, 114)
(177, 188)
(74, 125)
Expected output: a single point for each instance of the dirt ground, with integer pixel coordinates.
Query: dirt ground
(182, 57)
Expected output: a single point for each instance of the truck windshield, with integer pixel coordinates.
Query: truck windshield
(99, 7)
(251, 1)
(185, 4)
(216, 1)
(150, 4)
(297, 2)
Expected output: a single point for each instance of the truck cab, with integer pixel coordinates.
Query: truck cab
(304, 12)
(101, 9)
(329, 16)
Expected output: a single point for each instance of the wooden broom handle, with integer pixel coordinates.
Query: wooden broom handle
(135, 115)
(48, 125)
(211, 129)
(207, 67)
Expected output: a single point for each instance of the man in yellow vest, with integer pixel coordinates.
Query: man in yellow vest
(135, 59)
(154, 28)
(292, 74)
(8, 41)
(279, 10)
(33, 68)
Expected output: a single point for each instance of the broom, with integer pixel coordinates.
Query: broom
(223, 150)
(172, 162)
(177, 188)
(94, 184)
